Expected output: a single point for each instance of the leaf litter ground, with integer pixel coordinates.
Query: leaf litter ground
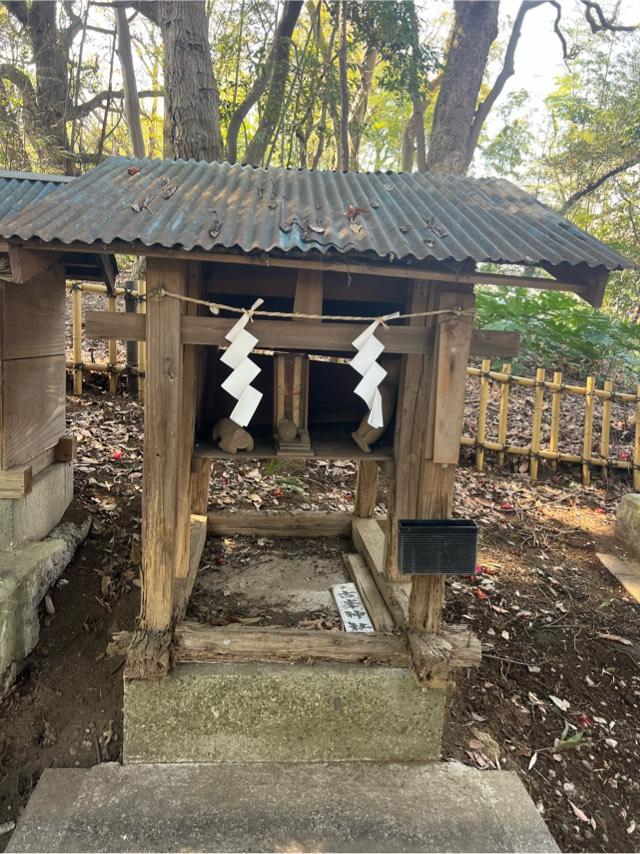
(556, 698)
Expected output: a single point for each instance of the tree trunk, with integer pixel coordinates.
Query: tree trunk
(474, 30)
(131, 102)
(191, 93)
(278, 54)
(361, 102)
(49, 106)
(277, 82)
(343, 153)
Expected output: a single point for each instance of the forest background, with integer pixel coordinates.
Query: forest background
(545, 93)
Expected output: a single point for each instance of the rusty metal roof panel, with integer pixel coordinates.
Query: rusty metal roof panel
(409, 217)
(18, 189)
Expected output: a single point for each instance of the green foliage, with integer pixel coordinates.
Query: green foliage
(561, 332)
(393, 28)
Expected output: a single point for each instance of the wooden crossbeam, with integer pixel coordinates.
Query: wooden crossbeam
(454, 647)
(260, 524)
(282, 334)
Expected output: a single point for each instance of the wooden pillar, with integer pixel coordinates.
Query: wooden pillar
(291, 392)
(366, 488)
(428, 428)
(192, 366)
(113, 354)
(165, 523)
(142, 345)
(76, 336)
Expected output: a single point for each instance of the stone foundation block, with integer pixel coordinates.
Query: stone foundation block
(31, 518)
(206, 712)
(628, 523)
(26, 574)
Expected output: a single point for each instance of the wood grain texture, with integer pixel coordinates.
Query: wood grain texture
(197, 642)
(162, 438)
(191, 367)
(256, 523)
(32, 407)
(278, 334)
(366, 488)
(367, 588)
(182, 587)
(32, 317)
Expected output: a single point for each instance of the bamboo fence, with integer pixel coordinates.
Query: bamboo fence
(543, 389)
(555, 388)
(112, 367)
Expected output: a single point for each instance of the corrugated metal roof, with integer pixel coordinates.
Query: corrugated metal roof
(18, 189)
(188, 204)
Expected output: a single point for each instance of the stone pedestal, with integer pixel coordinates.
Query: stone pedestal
(209, 712)
(628, 523)
(32, 517)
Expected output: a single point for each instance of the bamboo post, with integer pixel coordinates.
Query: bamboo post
(589, 398)
(537, 423)
(556, 400)
(636, 448)
(113, 353)
(142, 345)
(605, 434)
(504, 412)
(482, 413)
(76, 336)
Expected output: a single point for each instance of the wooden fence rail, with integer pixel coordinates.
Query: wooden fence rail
(112, 367)
(543, 390)
(553, 390)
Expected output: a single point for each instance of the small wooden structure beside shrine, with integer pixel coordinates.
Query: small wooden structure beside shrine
(330, 251)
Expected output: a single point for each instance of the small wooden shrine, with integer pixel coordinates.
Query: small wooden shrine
(327, 254)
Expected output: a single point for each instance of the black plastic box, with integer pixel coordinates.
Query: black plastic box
(437, 546)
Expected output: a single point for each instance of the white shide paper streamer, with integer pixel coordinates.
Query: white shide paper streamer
(364, 362)
(244, 371)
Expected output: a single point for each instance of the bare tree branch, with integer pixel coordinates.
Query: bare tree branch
(94, 103)
(22, 82)
(603, 23)
(284, 30)
(574, 198)
(507, 70)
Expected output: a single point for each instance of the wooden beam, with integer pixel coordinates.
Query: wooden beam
(191, 367)
(162, 439)
(282, 334)
(26, 264)
(16, 482)
(369, 539)
(438, 457)
(367, 588)
(66, 449)
(260, 524)
(200, 478)
(366, 488)
(182, 587)
(354, 268)
(197, 642)
(412, 413)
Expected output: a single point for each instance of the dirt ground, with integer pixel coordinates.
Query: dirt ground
(556, 698)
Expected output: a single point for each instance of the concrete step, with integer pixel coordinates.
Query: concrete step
(348, 806)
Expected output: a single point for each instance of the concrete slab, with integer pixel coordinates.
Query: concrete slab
(282, 712)
(31, 518)
(281, 807)
(26, 573)
(626, 570)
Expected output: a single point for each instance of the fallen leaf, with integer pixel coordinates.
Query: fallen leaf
(579, 814)
(617, 638)
(565, 705)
